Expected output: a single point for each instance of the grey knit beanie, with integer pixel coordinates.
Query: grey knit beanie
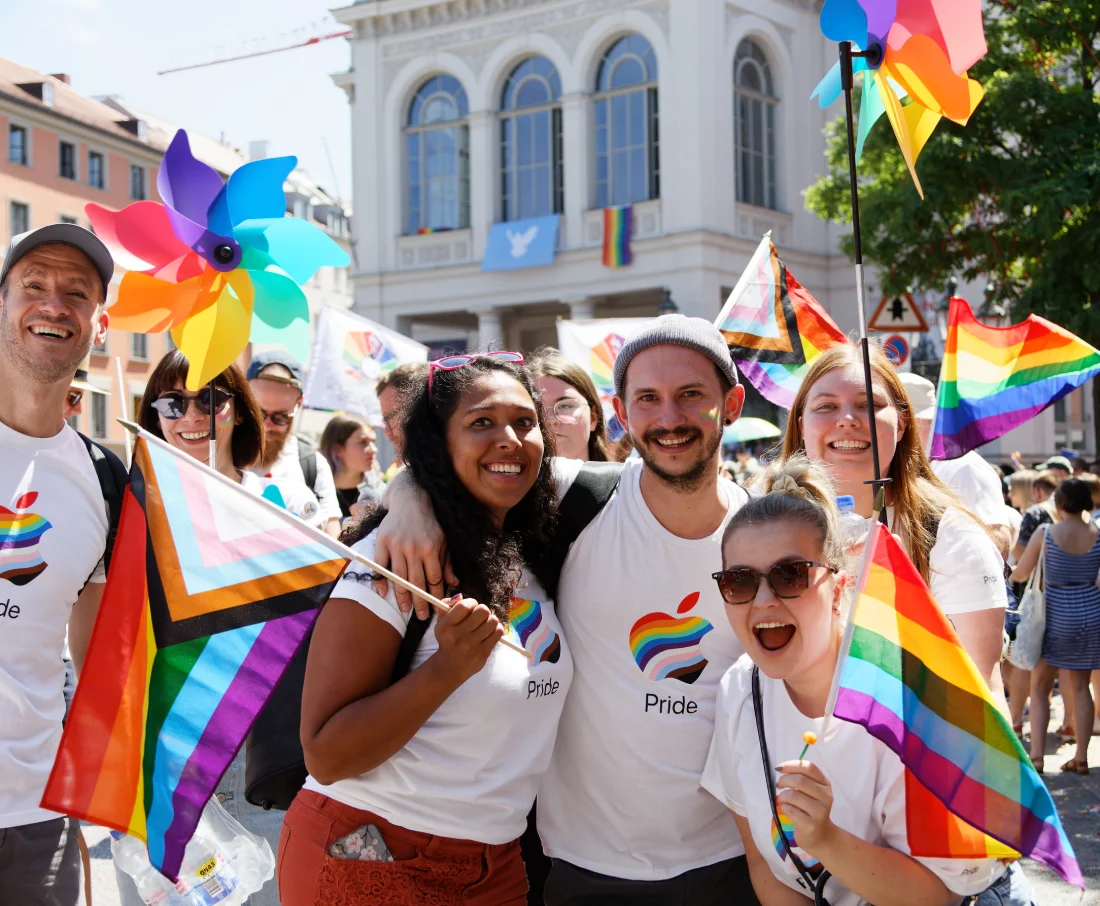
(677, 330)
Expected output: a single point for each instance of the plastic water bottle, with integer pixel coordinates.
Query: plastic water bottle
(206, 877)
(852, 528)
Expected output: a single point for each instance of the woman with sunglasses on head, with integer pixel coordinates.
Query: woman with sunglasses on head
(181, 417)
(572, 406)
(842, 812)
(421, 782)
(954, 553)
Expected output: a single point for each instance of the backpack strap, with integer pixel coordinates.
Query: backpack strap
(307, 459)
(113, 481)
(590, 491)
(414, 632)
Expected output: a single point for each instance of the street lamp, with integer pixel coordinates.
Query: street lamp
(942, 309)
(666, 306)
(993, 313)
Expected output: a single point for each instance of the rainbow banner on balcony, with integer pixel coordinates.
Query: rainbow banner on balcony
(617, 223)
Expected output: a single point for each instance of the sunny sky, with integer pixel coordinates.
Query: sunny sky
(118, 46)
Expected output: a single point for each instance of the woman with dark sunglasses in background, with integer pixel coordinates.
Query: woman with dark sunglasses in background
(842, 812)
(421, 781)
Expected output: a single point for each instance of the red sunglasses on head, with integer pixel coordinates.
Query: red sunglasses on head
(453, 362)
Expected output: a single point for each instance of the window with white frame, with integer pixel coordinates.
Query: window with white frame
(531, 141)
(139, 347)
(97, 414)
(437, 154)
(19, 218)
(66, 218)
(137, 183)
(66, 160)
(627, 121)
(755, 105)
(18, 148)
(96, 175)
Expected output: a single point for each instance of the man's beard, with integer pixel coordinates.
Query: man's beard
(273, 446)
(34, 369)
(696, 476)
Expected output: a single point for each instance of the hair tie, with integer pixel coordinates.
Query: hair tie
(784, 484)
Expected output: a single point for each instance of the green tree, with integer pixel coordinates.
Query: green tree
(1013, 196)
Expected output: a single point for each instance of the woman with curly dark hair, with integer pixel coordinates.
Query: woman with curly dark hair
(420, 785)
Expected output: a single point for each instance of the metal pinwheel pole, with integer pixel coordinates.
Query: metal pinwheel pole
(873, 55)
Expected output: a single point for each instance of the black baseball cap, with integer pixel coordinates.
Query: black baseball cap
(69, 233)
(269, 364)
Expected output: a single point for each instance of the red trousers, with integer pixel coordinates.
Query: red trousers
(426, 869)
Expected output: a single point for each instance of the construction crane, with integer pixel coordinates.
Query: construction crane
(313, 39)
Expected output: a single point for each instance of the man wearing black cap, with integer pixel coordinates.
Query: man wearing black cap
(54, 528)
(276, 381)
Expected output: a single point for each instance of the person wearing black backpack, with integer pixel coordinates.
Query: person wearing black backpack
(276, 381)
(60, 495)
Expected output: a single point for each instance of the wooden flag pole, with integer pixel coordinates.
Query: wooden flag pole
(316, 534)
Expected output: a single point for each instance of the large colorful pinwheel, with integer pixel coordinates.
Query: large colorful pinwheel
(217, 263)
(924, 48)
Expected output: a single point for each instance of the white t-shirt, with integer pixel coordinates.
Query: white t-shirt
(471, 771)
(650, 640)
(868, 782)
(965, 568)
(298, 500)
(53, 530)
(287, 473)
(976, 485)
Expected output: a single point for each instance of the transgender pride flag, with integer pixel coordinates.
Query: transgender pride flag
(210, 594)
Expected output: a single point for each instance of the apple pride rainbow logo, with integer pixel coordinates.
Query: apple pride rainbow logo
(667, 647)
(20, 533)
(526, 620)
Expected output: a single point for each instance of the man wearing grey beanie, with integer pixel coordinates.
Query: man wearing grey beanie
(620, 809)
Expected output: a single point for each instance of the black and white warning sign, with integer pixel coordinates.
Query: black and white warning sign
(898, 313)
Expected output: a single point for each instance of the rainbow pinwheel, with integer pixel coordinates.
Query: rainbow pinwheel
(216, 262)
(926, 48)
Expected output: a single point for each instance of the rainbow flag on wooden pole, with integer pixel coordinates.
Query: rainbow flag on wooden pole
(971, 791)
(995, 378)
(774, 327)
(211, 592)
(617, 223)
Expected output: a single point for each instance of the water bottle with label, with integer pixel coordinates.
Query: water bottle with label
(853, 527)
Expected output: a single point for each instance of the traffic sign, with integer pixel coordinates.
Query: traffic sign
(898, 313)
(897, 351)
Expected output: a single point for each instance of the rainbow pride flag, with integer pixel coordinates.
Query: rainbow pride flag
(617, 222)
(774, 327)
(971, 791)
(211, 592)
(995, 378)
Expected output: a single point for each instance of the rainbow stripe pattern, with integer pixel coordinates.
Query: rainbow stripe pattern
(20, 533)
(186, 650)
(526, 621)
(617, 223)
(667, 647)
(995, 378)
(774, 327)
(361, 345)
(904, 676)
(787, 825)
(601, 366)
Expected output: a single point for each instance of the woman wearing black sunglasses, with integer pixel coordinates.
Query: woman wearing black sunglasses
(843, 812)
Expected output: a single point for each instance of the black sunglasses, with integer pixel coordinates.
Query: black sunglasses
(75, 396)
(788, 579)
(173, 404)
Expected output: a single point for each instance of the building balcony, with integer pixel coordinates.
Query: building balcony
(443, 249)
(646, 224)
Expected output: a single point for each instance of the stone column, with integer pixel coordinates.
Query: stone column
(576, 144)
(490, 328)
(581, 308)
(483, 180)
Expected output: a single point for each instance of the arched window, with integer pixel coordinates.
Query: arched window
(438, 152)
(627, 167)
(754, 124)
(530, 141)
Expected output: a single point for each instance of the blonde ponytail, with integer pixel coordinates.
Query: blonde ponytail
(796, 490)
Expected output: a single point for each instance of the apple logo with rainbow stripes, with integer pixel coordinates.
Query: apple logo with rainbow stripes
(811, 864)
(526, 620)
(20, 533)
(668, 647)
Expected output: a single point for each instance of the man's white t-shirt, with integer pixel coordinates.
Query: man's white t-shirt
(976, 485)
(966, 572)
(650, 640)
(53, 531)
(867, 779)
(286, 471)
(471, 771)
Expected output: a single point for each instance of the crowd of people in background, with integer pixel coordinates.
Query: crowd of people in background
(617, 763)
